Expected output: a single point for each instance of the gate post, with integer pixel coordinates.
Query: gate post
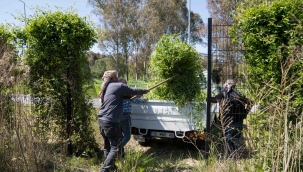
(209, 62)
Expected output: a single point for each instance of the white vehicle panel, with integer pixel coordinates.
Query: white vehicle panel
(164, 115)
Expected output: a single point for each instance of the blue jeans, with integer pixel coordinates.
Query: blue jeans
(111, 133)
(126, 129)
(232, 136)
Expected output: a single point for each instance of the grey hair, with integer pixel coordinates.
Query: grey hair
(231, 81)
(107, 77)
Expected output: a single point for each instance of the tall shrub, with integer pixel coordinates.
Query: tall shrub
(57, 43)
(272, 36)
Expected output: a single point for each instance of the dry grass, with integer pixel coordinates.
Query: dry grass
(271, 141)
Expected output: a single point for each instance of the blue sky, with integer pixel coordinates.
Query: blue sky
(14, 7)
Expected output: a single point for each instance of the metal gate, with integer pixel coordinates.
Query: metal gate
(224, 62)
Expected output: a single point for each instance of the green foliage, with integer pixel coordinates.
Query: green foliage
(99, 68)
(272, 37)
(5, 34)
(102, 65)
(58, 42)
(132, 27)
(137, 161)
(270, 34)
(7, 44)
(171, 57)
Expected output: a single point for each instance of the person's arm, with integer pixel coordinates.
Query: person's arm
(125, 90)
(217, 98)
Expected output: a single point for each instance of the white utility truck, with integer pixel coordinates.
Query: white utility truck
(162, 119)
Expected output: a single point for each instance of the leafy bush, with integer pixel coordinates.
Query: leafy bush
(171, 57)
(271, 34)
(59, 72)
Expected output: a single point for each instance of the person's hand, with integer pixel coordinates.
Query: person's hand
(146, 91)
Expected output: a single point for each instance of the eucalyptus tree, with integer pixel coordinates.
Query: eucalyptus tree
(114, 16)
(227, 55)
(92, 57)
(139, 24)
(165, 17)
(58, 42)
(103, 64)
(171, 17)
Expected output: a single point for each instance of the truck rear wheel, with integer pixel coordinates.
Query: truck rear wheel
(200, 144)
(142, 143)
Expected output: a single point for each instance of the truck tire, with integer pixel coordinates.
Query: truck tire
(142, 143)
(200, 144)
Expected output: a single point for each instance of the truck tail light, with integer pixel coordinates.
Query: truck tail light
(195, 135)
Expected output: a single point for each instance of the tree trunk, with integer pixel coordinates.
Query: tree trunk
(136, 63)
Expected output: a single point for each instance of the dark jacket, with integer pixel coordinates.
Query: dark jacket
(233, 105)
(112, 108)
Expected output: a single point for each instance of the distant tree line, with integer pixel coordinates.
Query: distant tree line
(130, 29)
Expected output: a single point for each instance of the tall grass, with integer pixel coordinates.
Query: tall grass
(272, 139)
(20, 148)
(276, 130)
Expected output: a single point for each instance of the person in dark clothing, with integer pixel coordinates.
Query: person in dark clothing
(234, 108)
(126, 118)
(110, 115)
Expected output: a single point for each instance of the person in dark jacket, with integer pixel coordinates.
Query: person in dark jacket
(126, 118)
(110, 115)
(234, 108)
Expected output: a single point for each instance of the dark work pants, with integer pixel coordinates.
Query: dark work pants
(232, 136)
(111, 133)
(126, 130)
